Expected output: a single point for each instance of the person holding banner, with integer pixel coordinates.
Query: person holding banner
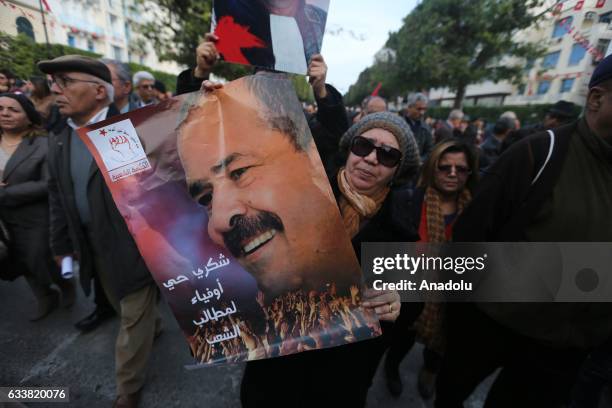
(380, 153)
(23, 201)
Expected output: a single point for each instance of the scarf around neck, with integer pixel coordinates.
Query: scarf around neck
(356, 207)
(432, 227)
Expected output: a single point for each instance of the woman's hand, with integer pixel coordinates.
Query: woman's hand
(206, 55)
(386, 303)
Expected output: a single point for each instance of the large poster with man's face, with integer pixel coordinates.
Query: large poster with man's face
(227, 200)
(280, 35)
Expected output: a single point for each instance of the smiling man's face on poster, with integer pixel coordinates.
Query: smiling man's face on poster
(251, 164)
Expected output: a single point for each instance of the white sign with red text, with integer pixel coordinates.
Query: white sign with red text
(120, 149)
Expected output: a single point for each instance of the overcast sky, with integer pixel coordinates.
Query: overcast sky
(365, 27)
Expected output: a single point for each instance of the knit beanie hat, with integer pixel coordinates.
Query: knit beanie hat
(27, 106)
(393, 123)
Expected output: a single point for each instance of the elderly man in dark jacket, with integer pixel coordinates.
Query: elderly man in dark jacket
(414, 113)
(554, 186)
(86, 222)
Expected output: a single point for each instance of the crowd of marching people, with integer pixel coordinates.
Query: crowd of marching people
(396, 176)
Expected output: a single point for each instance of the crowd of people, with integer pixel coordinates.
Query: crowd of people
(295, 322)
(395, 176)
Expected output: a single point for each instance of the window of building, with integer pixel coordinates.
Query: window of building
(71, 40)
(90, 45)
(602, 48)
(529, 64)
(560, 27)
(543, 87)
(521, 89)
(113, 21)
(117, 53)
(567, 85)
(589, 19)
(578, 53)
(606, 17)
(551, 60)
(24, 27)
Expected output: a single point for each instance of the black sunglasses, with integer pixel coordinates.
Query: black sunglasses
(387, 156)
(459, 170)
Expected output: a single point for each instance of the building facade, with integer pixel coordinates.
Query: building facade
(22, 17)
(106, 27)
(577, 35)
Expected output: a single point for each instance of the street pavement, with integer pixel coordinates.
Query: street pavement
(53, 353)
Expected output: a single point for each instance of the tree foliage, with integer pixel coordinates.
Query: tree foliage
(20, 55)
(454, 43)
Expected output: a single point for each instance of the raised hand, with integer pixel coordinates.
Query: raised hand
(317, 73)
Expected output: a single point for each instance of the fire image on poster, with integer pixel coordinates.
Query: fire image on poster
(226, 197)
(279, 35)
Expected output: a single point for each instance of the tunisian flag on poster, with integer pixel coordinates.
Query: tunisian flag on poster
(579, 5)
(276, 278)
(600, 3)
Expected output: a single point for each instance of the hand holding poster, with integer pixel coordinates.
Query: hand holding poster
(281, 35)
(228, 202)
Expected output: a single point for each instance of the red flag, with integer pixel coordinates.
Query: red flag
(579, 5)
(44, 2)
(600, 3)
(377, 89)
(233, 38)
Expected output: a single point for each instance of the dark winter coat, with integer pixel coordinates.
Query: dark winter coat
(504, 205)
(123, 261)
(24, 207)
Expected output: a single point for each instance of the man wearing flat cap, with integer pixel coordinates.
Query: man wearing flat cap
(86, 222)
(553, 186)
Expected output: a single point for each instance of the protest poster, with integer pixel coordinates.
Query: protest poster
(228, 203)
(271, 34)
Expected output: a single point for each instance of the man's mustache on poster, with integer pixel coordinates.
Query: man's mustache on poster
(245, 229)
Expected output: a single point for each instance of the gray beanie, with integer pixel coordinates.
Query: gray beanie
(391, 122)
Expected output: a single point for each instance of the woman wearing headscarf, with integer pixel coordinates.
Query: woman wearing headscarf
(443, 191)
(23, 201)
(377, 156)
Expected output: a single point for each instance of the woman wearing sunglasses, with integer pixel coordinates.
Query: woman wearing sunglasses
(378, 156)
(444, 189)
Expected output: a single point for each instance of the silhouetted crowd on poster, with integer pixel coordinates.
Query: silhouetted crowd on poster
(396, 176)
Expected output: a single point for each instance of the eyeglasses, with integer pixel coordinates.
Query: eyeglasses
(145, 86)
(459, 170)
(63, 81)
(387, 156)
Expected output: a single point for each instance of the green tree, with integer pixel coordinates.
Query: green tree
(20, 55)
(454, 43)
